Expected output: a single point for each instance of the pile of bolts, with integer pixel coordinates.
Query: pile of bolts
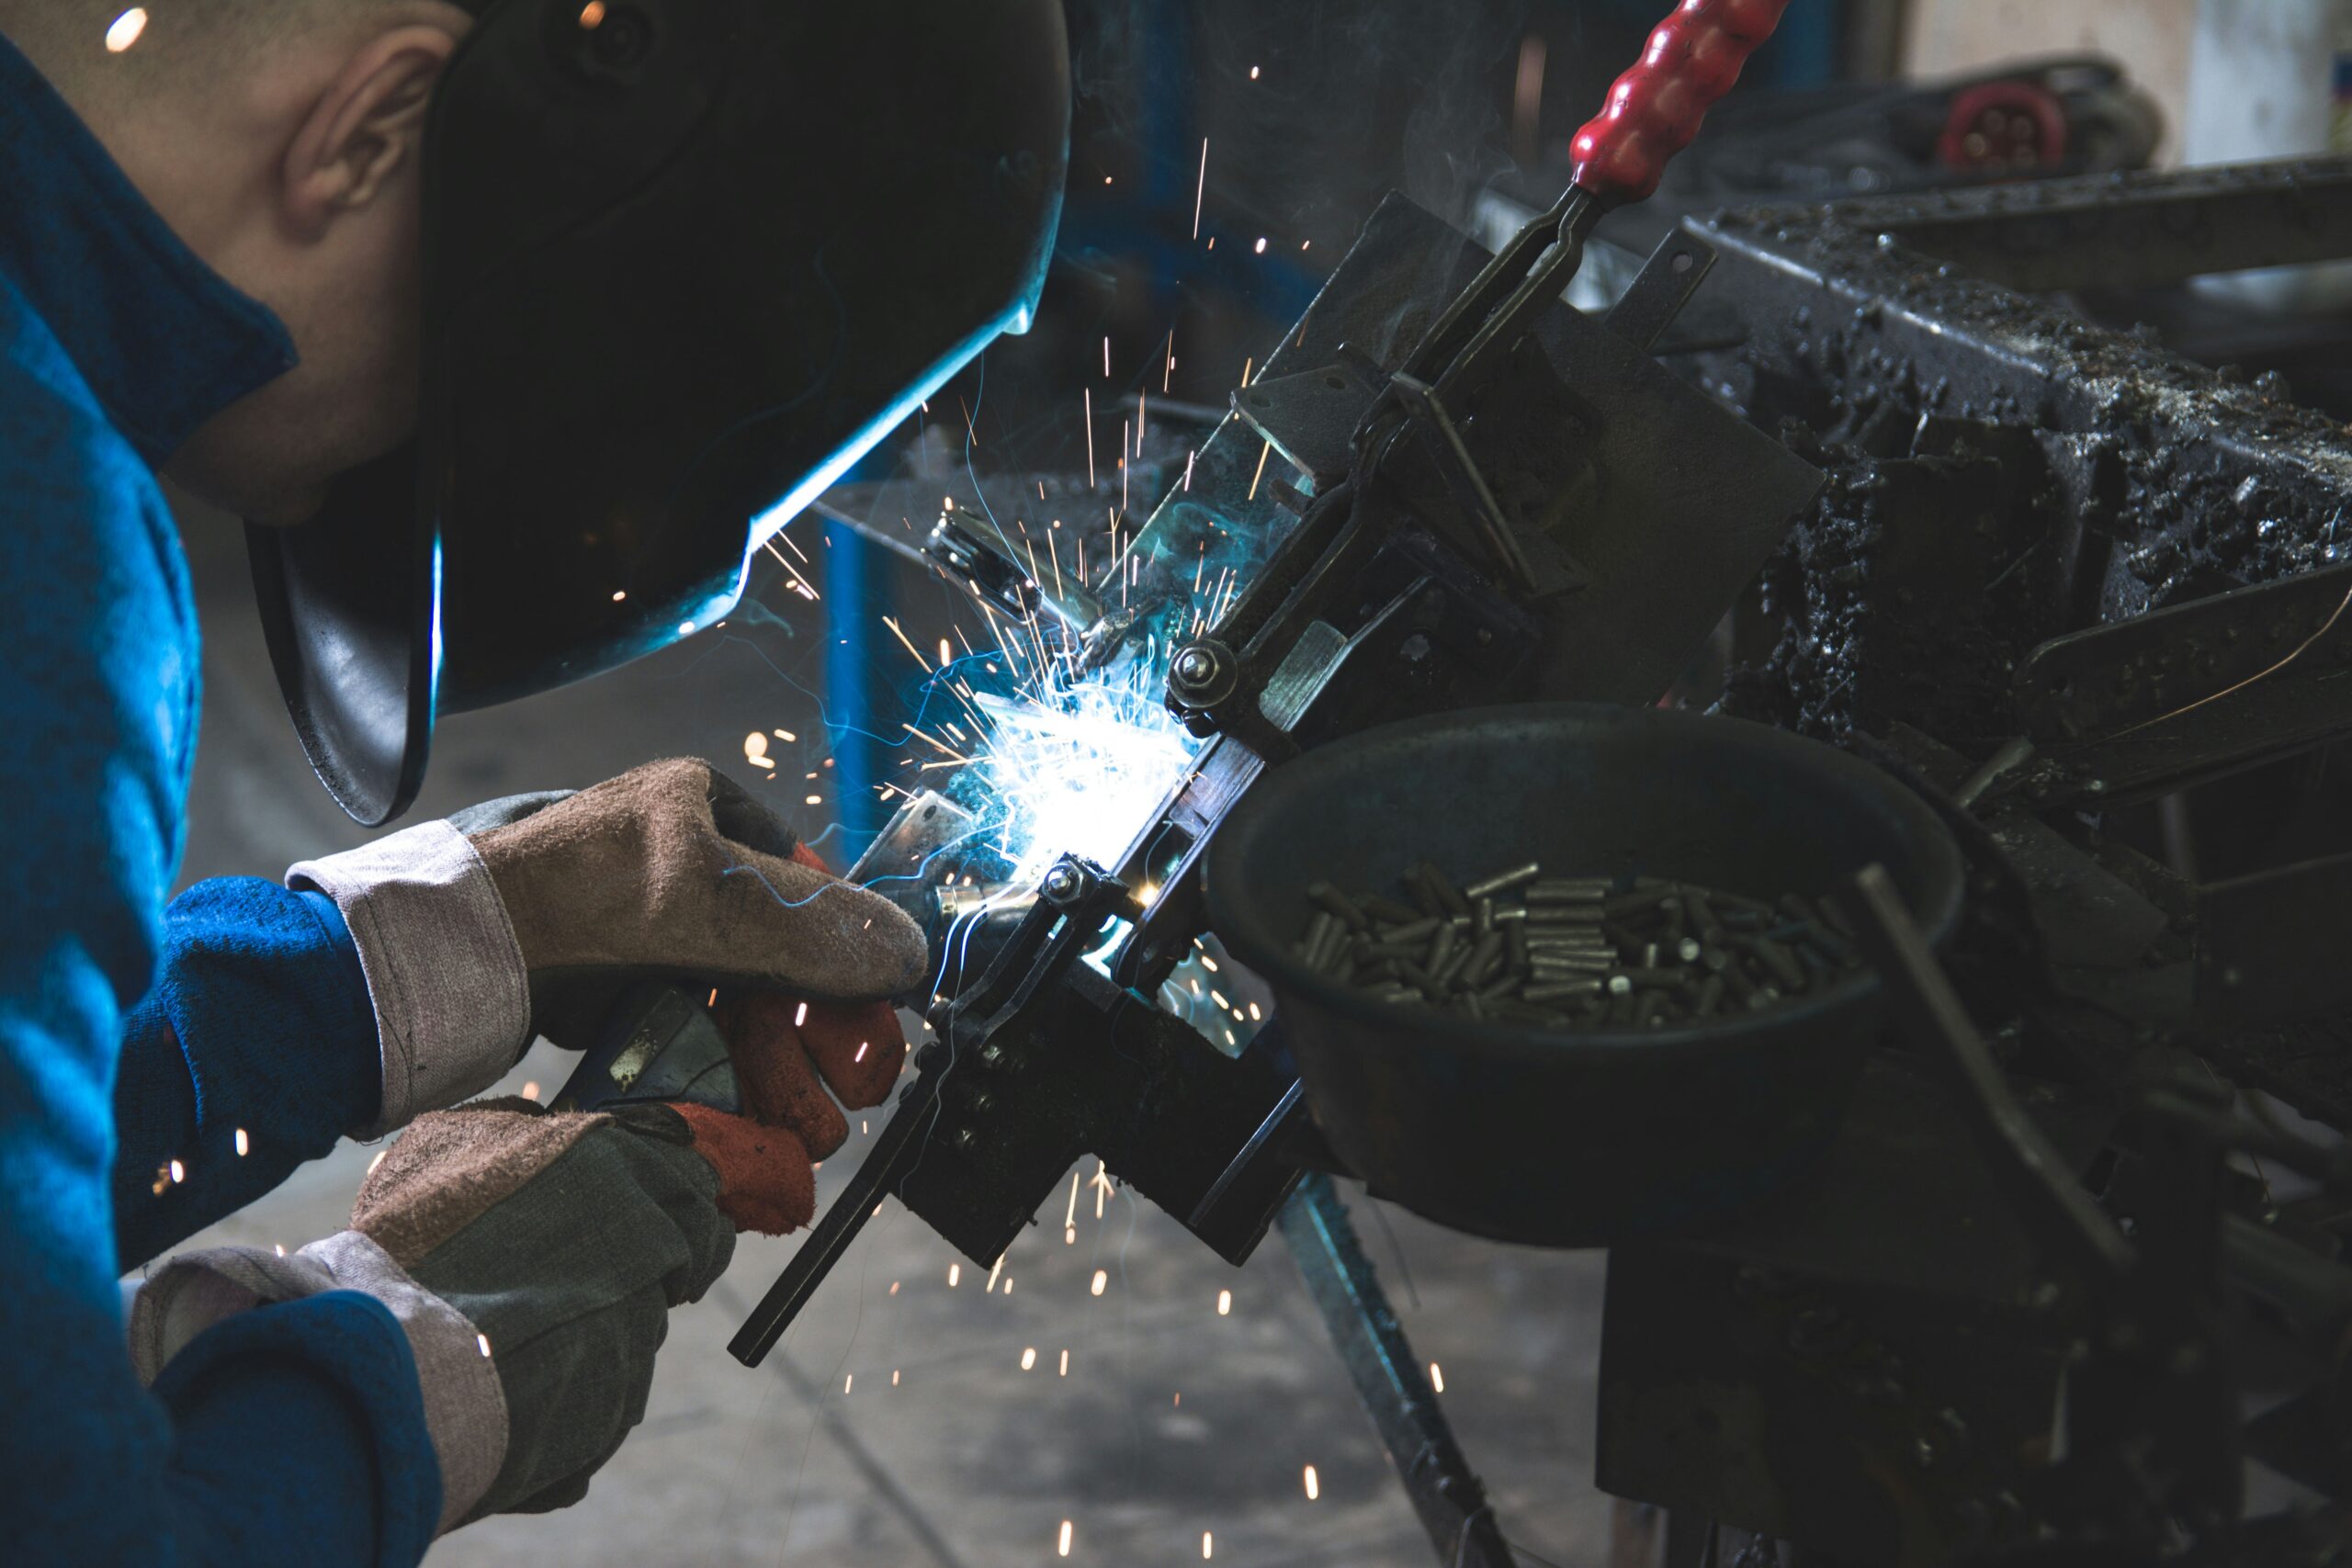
(1574, 953)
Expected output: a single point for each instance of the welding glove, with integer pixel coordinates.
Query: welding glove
(532, 914)
(531, 1257)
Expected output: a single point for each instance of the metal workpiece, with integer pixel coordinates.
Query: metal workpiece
(1037, 1062)
(1389, 1381)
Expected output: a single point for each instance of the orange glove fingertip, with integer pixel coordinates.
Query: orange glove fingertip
(766, 1181)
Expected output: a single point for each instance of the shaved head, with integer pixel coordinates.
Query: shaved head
(86, 47)
(281, 140)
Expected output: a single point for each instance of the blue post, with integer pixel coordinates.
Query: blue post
(853, 613)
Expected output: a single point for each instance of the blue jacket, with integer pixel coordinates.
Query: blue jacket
(136, 1040)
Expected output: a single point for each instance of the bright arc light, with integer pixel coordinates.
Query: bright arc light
(124, 31)
(1080, 766)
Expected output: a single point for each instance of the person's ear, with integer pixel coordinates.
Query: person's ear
(361, 129)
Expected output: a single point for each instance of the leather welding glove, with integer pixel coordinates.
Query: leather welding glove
(531, 1257)
(531, 915)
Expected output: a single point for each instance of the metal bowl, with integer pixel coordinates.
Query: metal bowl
(1589, 1137)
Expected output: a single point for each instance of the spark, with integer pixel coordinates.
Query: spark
(1088, 392)
(1028, 1358)
(1225, 1303)
(1065, 1371)
(942, 746)
(801, 585)
(243, 1142)
(1063, 1548)
(901, 636)
(954, 1273)
(894, 1377)
(1253, 74)
(1102, 1185)
(1437, 1379)
(847, 1380)
(483, 1341)
(1106, 358)
(377, 1161)
(124, 31)
(1200, 189)
(801, 1015)
(994, 1270)
(619, 594)
(1261, 248)
(1314, 1484)
(1527, 98)
(530, 1092)
(1262, 453)
(1102, 1280)
(1207, 1542)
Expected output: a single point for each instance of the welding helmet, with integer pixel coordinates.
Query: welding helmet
(685, 260)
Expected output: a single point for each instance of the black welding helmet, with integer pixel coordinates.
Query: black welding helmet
(685, 261)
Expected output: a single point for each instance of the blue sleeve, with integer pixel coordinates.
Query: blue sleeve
(258, 1023)
(97, 708)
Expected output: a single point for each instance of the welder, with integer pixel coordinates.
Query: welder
(513, 327)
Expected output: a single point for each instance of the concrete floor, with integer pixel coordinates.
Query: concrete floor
(896, 1423)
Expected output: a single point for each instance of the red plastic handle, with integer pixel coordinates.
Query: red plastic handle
(1655, 108)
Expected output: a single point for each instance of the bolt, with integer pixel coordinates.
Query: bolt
(1195, 666)
(1061, 883)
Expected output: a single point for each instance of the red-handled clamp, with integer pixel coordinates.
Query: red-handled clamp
(1655, 109)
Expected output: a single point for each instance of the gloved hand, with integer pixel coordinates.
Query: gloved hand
(531, 914)
(531, 1257)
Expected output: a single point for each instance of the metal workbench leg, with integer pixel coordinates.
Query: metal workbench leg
(1389, 1382)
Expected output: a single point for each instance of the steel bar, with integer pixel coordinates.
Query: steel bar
(1445, 1494)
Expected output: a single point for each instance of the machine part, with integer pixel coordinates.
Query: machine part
(2152, 1419)
(612, 452)
(1394, 1391)
(658, 1044)
(966, 545)
(2068, 1223)
(2194, 690)
(1604, 1134)
(1040, 1061)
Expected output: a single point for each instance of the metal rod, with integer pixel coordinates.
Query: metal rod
(873, 1179)
(1446, 1493)
(2056, 1209)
